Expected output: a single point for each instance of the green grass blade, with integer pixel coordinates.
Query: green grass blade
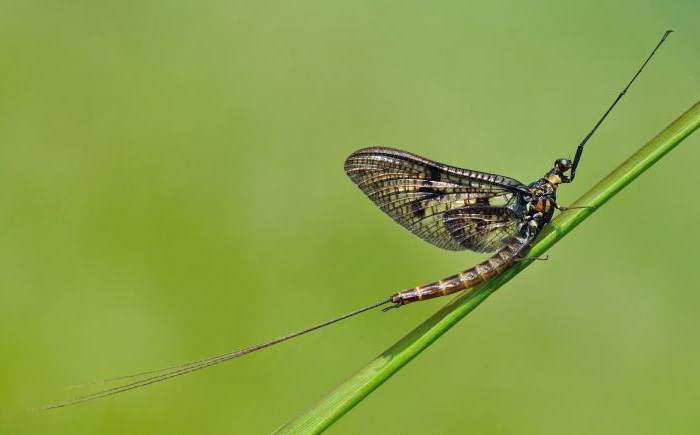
(351, 392)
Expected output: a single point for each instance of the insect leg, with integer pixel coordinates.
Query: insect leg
(541, 258)
(562, 208)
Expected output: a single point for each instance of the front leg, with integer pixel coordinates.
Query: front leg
(563, 209)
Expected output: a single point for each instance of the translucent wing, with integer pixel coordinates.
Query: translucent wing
(449, 207)
(481, 228)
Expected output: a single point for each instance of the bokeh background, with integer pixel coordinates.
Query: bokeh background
(172, 188)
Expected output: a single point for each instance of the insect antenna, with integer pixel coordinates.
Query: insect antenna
(579, 150)
(182, 369)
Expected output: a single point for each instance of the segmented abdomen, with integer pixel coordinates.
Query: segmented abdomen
(511, 252)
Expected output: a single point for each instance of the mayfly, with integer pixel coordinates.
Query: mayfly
(451, 208)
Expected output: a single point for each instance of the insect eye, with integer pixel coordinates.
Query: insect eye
(562, 165)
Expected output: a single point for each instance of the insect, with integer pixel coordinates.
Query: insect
(451, 208)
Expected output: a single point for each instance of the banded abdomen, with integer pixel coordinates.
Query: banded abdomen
(512, 251)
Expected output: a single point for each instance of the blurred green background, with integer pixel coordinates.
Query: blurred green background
(172, 188)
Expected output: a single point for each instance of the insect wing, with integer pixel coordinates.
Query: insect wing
(481, 228)
(449, 207)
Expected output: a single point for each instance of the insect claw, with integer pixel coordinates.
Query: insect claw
(391, 307)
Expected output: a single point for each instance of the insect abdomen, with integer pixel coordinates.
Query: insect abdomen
(482, 272)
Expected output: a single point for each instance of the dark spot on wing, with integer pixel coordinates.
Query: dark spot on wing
(417, 209)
